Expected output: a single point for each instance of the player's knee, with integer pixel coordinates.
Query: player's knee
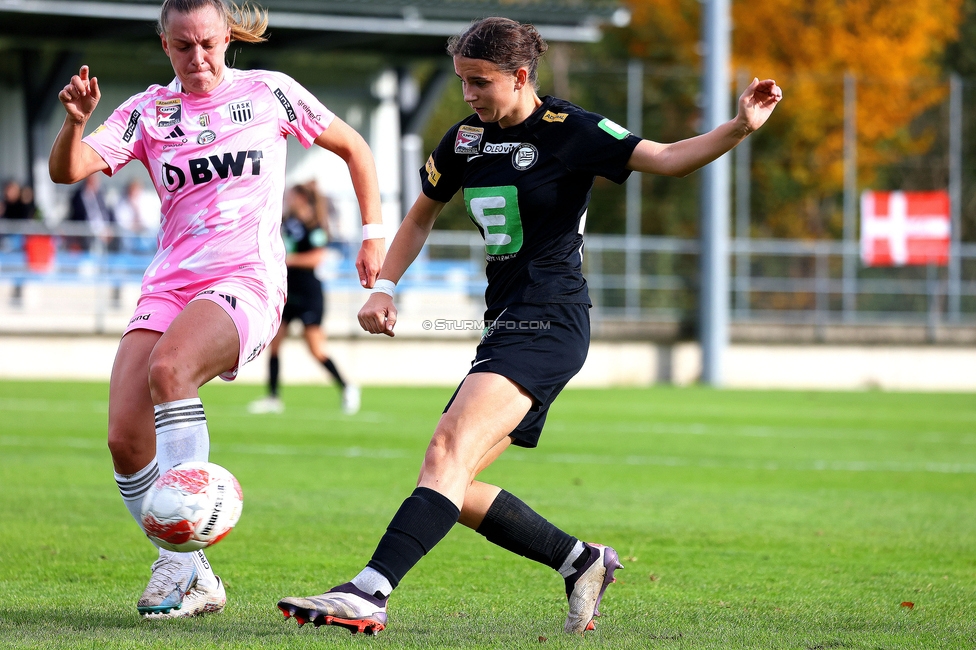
(165, 378)
(443, 449)
(121, 444)
(447, 453)
(438, 450)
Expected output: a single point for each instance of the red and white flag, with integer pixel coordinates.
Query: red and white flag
(904, 228)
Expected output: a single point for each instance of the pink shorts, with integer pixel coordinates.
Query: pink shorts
(256, 320)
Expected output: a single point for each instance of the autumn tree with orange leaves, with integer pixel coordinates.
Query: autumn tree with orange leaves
(894, 51)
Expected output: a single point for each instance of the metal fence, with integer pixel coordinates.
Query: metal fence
(631, 279)
(777, 281)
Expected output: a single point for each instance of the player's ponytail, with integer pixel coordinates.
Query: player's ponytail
(246, 23)
(508, 44)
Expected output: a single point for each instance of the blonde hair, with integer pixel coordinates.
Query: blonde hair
(247, 23)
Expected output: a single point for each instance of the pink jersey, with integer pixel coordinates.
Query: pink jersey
(218, 164)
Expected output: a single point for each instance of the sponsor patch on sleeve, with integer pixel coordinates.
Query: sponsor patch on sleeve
(468, 140)
(613, 129)
(432, 174)
(131, 127)
(554, 117)
(101, 127)
(318, 238)
(287, 104)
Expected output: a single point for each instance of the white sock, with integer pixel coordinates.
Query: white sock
(205, 575)
(372, 581)
(181, 433)
(182, 436)
(133, 488)
(567, 569)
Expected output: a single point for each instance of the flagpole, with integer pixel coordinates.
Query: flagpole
(955, 195)
(850, 197)
(714, 290)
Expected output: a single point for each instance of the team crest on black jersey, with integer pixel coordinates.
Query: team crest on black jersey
(468, 140)
(169, 112)
(240, 112)
(525, 156)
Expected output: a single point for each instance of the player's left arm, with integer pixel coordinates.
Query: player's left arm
(685, 156)
(344, 141)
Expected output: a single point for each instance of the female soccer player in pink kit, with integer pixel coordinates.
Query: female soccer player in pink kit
(214, 143)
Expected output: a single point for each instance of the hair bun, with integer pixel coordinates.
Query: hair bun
(507, 43)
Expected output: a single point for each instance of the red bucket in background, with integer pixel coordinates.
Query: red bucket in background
(40, 253)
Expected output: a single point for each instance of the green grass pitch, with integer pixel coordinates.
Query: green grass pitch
(745, 519)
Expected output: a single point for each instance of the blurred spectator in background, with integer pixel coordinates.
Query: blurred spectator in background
(18, 201)
(27, 205)
(11, 198)
(305, 233)
(88, 206)
(17, 205)
(137, 216)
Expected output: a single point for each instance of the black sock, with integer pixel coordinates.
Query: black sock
(516, 527)
(334, 371)
(273, 375)
(423, 519)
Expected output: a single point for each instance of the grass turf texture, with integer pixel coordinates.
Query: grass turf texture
(744, 519)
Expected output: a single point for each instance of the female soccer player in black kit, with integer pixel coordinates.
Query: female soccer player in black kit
(526, 165)
(305, 237)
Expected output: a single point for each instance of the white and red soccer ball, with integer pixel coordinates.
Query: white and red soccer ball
(192, 506)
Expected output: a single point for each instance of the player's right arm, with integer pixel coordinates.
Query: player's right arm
(71, 159)
(378, 315)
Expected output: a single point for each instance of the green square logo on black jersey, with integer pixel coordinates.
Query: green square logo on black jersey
(496, 211)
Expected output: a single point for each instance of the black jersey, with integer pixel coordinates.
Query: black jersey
(299, 238)
(526, 188)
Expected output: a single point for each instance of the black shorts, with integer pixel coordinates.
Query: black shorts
(540, 348)
(306, 304)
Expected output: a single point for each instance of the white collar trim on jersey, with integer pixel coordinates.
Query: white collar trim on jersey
(177, 87)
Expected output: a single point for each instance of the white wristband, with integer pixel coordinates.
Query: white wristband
(384, 286)
(373, 231)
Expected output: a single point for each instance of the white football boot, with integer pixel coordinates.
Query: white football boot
(266, 405)
(585, 588)
(175, 592)
(350, 399)
(345, 606)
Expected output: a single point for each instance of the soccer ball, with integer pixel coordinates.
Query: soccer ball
(192, 506)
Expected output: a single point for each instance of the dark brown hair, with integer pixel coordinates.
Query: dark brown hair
(318, 205)
(246, 24)
(508, 44)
